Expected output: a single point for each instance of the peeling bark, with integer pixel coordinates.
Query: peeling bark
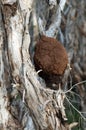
(25, 99)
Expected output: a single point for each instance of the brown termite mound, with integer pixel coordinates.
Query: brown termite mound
(51, 57)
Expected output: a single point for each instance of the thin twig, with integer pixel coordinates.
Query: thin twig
(39, 71)
(75, 86)
(76, 109)
(76, 94)
(73, 100)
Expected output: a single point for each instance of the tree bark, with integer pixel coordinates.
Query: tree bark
(25, 100)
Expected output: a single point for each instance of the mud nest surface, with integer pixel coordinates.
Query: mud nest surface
(50, 56)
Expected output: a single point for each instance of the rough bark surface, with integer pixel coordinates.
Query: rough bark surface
(25, 100)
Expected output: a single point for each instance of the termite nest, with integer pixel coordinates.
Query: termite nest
(50, 56)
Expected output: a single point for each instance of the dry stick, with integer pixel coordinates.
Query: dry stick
(76, 94)
(75, 109)
(70, 102)
(75, 85)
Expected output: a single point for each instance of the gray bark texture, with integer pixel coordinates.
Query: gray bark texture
(25, 101)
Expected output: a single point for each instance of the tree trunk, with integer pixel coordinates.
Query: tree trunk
(26, 103)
